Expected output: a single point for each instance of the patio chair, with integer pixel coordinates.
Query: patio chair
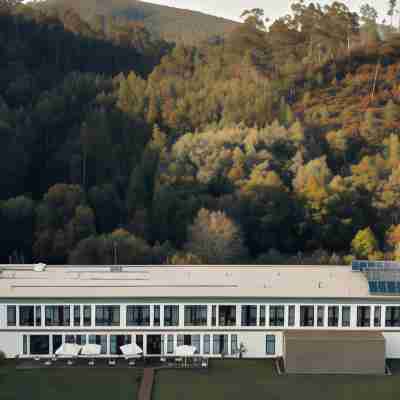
(48, 362)
(163, 359)
(91, 363)
(179, 361)
(70, 362)
(204, 363)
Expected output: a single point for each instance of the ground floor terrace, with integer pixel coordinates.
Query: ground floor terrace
(207, 343)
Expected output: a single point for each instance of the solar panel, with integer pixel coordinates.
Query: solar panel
(382, 287)
(373, 286)
(391, 287)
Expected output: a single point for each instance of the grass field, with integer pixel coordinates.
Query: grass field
(254, 380)
(68, 384)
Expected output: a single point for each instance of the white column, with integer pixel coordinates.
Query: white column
(181, 315)
(162, 316)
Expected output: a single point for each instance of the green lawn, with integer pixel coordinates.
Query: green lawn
(253, 380)
(68, 384)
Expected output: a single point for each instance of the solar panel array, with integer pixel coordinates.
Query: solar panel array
(383, 276)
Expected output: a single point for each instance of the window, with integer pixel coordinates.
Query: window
(392, 316)
(363, 316)
(262, 315)
(270, 344)
(138, 315)
(377, 316)
(87, 315)
(196, 315)
(39, 344)
(346, 316)
(227, 315)
(214, 315)
(195, 342)
(38, 316)
(180, 340)
(69, 338)
(249, 315)
(11, 315)
(116, 341)
(100, 340)
(234, 344)
(57, 342)
(24, 344)
(276, 315)
(306, 315)
(156, 318)
(107, 315)
(77, 315)
(292, 315)
(320, 315)
(170, 344)
(139, 341)
(206, 344)
(220, 344)
(81, 340)
(333, 316)
(171, 315)
(26, 315)
(57, 315)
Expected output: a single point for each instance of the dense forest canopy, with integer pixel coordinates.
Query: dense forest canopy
(269, 145)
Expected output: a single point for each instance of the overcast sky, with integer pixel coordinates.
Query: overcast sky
(273, 8)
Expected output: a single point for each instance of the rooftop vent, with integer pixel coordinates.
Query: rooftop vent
(40, 267)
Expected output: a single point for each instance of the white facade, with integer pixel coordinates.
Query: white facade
(40, 310)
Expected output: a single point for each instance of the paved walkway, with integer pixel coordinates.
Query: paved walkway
(146, 386)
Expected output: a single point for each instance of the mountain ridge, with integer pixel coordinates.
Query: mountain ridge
(169, 23)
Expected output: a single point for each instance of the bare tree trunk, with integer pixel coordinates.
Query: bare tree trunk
(375, 79)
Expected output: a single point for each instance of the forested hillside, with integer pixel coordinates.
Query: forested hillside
(169, 23)
(269, 146)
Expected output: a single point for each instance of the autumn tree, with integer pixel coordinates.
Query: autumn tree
(215, 238)
(364, 244)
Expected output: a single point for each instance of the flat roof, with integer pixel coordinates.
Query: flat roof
(171, 281)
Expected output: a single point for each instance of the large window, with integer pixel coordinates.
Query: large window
(270, 344)
(87, 315)
(206, 344)
(171, 315)
(377, 316)
(320, 315)
(345, 316)
(116, 341)
(363, 316)
(77, 315)
(196, 315)
(11, 315)
(213, 315)
(138, 315)
(392, 316)
(26, 316)
(100, 340)
(292, 315)
(156, 316)
(249, 315)
(306, 315)
(220, 344)
(227, 315)
(107, 315)
(333, 316)
(189, 340)
(57, 315)
(170, 344)
(234, 344)
(57, 342)
(262, 315)
(276, 315)
(39, 344)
